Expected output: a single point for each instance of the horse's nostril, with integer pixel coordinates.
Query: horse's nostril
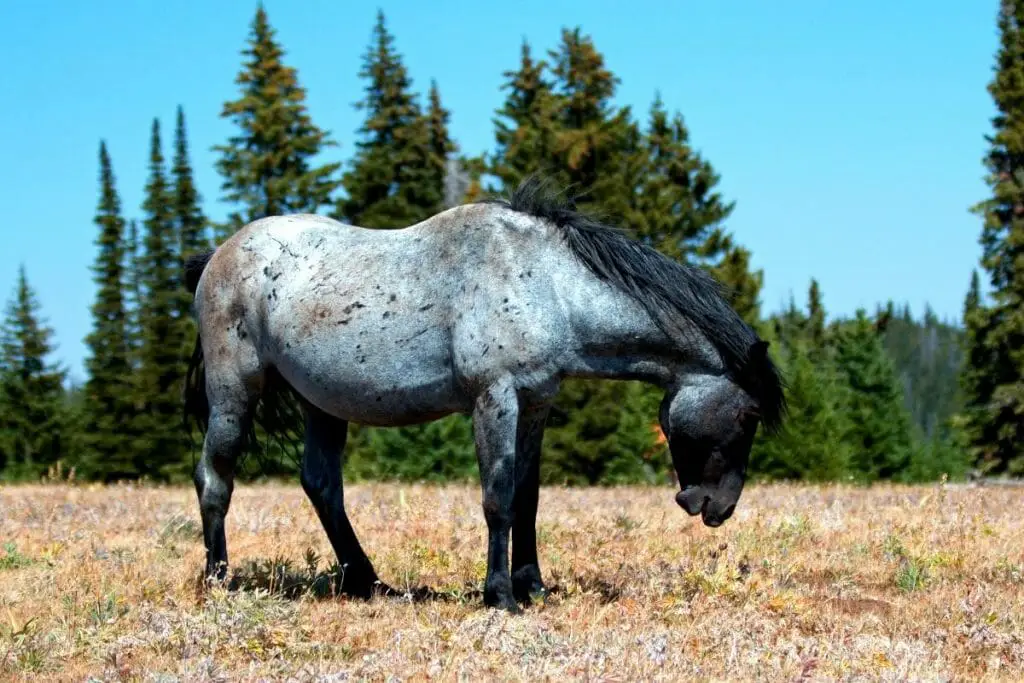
(727, 512)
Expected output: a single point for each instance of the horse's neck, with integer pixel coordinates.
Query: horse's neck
(615, 338)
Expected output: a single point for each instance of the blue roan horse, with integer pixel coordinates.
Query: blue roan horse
(481, 309)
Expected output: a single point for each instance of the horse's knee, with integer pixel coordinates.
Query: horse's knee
(497, 504)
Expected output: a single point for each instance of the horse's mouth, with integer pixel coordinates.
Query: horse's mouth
(695, 500)
(692, 499)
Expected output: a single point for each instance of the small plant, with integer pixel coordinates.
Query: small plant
(12, 559)
(911, 575)
(626, 523)
(911, 572)
(106, 610)
(893, 547)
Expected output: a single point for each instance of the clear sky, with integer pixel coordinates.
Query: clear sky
(850, 134)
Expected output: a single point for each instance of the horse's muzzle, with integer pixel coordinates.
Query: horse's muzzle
(697, 500)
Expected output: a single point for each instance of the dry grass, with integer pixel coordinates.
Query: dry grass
(805, 583)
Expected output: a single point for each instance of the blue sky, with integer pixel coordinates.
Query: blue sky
(849, 134)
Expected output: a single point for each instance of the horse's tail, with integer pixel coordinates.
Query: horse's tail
(196, 403)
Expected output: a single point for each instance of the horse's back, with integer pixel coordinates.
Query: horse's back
(390, 326)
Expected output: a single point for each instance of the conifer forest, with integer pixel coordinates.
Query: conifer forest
(881, 395)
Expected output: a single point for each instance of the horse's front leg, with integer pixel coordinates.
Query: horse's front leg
(495, 421)
(526, 579)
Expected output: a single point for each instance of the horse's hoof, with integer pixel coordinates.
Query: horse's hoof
(507, 604)
(527, 586)
(499, 595)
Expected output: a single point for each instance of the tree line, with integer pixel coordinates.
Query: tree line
(879, 395)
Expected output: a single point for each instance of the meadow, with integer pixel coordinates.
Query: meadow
(803, 583)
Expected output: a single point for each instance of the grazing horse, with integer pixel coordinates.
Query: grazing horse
(482, 309)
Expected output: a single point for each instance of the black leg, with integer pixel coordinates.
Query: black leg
(215, 481)
(322, 481)
(526, 578)
(495, 419)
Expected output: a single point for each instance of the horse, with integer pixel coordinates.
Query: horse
(481, 309)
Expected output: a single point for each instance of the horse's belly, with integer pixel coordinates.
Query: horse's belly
(386, 381)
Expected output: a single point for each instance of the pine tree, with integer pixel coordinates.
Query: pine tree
(32, 414)
(133, 293)
(160, 446)
(526, 124)
(814, 443)
(438, 451)
(188, 216)
(815, 315)
(679, 211)
(192, 235)
(604, 432)
(742, 284)
(591, 142)
(395, 179)
(561, 122)
(442, 147)
(108, 412)
(880, 432)
(993, 420)
(268, 166)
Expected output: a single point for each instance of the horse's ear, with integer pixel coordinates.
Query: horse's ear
(759, 350)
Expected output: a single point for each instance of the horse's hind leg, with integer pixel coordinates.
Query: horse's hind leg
(232, 390)
(322, 481)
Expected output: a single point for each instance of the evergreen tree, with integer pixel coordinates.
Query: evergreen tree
(880, 434)
(604, 432)
(526, 124)
(679, 211)
(442, 147)
(815, 316)
(474, 167)
(133, 294)
(396, 178)
(993, 420)
(32, 414)
(814, 443)
(192, 235)
(928, 358)
(268, 166)
(107, 407)
(564, 125)
(159, 448)
(591, 141)
(742, 284)
(442, 450)
(400, 176)
(189, 220)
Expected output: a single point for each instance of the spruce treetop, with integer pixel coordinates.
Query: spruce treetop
(267, 165)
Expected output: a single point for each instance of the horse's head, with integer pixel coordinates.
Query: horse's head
(710, 423)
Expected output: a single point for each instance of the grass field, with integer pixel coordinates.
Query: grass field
(803, 583)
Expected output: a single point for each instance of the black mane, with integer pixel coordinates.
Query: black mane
(665, 288)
